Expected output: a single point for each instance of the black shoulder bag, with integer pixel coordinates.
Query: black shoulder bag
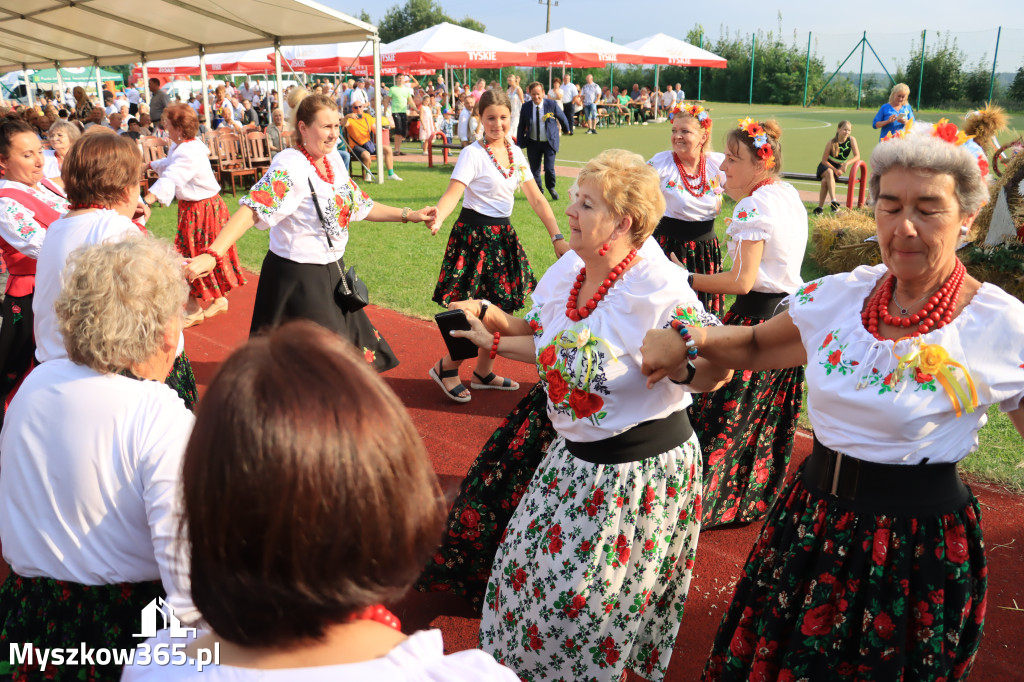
(351, 293)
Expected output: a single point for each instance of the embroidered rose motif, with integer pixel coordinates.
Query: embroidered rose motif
(557, 386)
(547, 356)
(584, 404)
(279, 188)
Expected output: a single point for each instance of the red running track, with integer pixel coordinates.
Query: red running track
(454, 434)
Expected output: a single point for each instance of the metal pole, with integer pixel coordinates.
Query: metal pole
(860, 81)
(700, 70)
(657, 100)
(377, 127)
(753, 49)
(28, 85)
(145, 79)
(60, 84)
(202, 86)
(807, 67)
(611, 71)
(99, 83)
(277, 69)
(920, 77)
(992, 81)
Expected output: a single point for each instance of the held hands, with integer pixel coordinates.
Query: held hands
(664, 353)
(478, 333)
(200, 266)
(428, 216)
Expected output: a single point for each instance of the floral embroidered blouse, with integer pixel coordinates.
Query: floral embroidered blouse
(679, 203)
(775, 215)
(283, 204)
(591, 368)
(898, 402)
(18, 225)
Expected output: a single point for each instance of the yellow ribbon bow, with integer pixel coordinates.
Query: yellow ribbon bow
(588, 349)
(934, 360)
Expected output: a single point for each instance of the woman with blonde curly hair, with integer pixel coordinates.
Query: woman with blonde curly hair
(93, 545)
(600, 549)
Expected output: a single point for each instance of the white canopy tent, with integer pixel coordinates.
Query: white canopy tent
(661, 49)
(45, 33)
(566, 47)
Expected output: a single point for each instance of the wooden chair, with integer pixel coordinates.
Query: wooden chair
(231, 160)
(152, 148)
(257, 150)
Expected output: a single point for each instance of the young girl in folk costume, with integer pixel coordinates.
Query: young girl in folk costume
(690, 182)
(746, 428)
(29, 203)
(484, 258)
(186, 174)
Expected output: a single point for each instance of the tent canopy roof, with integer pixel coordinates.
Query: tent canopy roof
(572, 48)
(37, 33)
(663, 49)
(449, 44)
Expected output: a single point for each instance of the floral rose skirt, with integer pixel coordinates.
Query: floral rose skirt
(592, 575)
(199, 223)
(183, 381)
(746, 431)
(54, 614)
(828, 593)
(487, 498)
(485, 261)
(700, 258)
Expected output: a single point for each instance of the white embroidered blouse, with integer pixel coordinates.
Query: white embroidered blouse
(18, 225)
(185, 174)
(773, 214)
(283, 204)
(679, 203)
(897, 402)
(591, 368)
(487, 191)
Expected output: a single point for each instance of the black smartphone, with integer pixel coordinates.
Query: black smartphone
(458, 348)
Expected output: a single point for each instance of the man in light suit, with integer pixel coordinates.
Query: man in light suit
(539, 121)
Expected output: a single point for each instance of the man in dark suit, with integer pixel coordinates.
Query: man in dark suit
(539, 121)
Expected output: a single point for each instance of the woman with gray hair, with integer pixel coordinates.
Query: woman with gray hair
(61, 136)
(871, 563)
(91, 547)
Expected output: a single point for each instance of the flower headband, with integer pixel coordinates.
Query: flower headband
(760, 137)
(697, 111)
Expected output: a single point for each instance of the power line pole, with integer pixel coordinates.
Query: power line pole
(548, 3)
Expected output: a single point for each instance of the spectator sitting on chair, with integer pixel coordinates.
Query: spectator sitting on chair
(539, 122)
(133, 129)
(359, 127)
(840, 153)
(229, 121)
(249, 116)
(275, 132)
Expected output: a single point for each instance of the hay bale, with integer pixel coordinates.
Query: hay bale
(838, 240)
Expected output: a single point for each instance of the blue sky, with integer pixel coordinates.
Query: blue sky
(836, 26)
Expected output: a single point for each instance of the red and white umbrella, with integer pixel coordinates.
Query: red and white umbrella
(566, 47)
(448, 44)
(664, 49)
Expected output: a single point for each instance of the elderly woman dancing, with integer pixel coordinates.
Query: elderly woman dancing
(591, 575)
(693, 199)
(90, 510)
(186, 175)
(871, 564)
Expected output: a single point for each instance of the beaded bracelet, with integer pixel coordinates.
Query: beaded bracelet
(691, 346)
(219, 258)
(494, 346)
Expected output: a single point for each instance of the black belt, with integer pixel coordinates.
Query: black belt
(686, 230)
(644, 440)
(759, 304)
(471, 217)
(899, 489)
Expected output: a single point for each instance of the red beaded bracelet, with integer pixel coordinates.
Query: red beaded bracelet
(219, 258)
(494, 346)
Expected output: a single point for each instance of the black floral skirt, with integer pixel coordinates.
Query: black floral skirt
(52, 614)
(183, 381)
(17, 345)
(487, 498)
(746, 431)
(696, 246)
(288, 290)
(484, 259)
(833, 592)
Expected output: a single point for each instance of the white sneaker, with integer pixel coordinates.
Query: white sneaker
(394, 176)
(367, 177)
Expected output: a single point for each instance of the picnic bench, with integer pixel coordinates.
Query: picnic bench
(858, 175)
(444, 146)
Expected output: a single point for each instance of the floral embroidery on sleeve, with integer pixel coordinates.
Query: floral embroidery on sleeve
(23, 223)
(266, 196)
(834, 361)
(746, 214)
(350, 203)
(691, 316)
(804, 293)
(533, 319)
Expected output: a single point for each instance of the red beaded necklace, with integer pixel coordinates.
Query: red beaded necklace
(576, 314)
(85, 207)
(505, 173)
(328, 175)
(379, 614)
(701, 176)
(766, 181)
(937, 311)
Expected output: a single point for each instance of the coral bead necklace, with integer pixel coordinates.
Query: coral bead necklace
(936, 313)
(505, 172)
(328, 174)
(696, 184)
(575, 313)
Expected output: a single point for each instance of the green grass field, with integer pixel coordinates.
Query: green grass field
(400, 263)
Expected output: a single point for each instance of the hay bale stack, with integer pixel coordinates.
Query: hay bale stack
(838, 240)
